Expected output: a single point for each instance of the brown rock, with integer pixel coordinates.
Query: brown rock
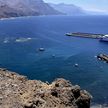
(17, 91)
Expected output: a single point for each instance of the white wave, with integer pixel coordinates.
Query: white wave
(6, 41)
(22, 39)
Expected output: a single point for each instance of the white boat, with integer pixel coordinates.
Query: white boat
(104, 39)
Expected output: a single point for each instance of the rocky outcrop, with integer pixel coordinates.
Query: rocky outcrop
(17, 91)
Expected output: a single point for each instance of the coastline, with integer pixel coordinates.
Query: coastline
(11, 18)
(6, 18)
(18, 91)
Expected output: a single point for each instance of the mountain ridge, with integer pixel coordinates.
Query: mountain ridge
(68, 9)
(72, 9)
(15, 8)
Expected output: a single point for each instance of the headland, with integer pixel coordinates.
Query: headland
(17, 91)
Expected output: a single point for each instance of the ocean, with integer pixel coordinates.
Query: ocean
(21, 38)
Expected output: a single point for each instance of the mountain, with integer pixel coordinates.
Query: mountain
(71, 9)
(14, 8)
(68, 9)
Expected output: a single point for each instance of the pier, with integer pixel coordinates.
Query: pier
(86, 35)
(103, 57)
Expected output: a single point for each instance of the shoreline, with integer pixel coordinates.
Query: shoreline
(5, 18)
(18, 91)
(11, 18)
(23, 79)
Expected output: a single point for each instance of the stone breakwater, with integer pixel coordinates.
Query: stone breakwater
(17, 91)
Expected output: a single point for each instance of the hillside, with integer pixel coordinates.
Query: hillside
(71, 9)
(14, 8)
(68, 9)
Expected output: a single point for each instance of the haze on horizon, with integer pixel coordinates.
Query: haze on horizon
(90, 5)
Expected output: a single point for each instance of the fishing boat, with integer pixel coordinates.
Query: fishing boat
(104, 38)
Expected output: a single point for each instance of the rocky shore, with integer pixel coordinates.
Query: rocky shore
(17, 91)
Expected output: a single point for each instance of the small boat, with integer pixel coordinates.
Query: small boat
(53, 55)
(41, 49)
(104, 39)
(76, 65)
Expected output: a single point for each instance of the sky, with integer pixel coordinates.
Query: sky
(92, 5)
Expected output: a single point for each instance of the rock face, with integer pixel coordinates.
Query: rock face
(17, 91)
(15, 8)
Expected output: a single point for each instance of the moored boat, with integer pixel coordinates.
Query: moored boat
(104, 38)
(41, 49)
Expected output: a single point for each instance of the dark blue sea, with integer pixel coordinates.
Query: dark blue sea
(20, 39)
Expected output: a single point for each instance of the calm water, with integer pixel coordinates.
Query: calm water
(61, 52)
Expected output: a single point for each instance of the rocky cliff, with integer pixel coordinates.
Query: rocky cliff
(17, 91)
(15, 8)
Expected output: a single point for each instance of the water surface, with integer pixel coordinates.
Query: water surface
(61, 52)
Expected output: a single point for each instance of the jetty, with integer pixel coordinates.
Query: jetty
(86, 35)
(103, 57)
